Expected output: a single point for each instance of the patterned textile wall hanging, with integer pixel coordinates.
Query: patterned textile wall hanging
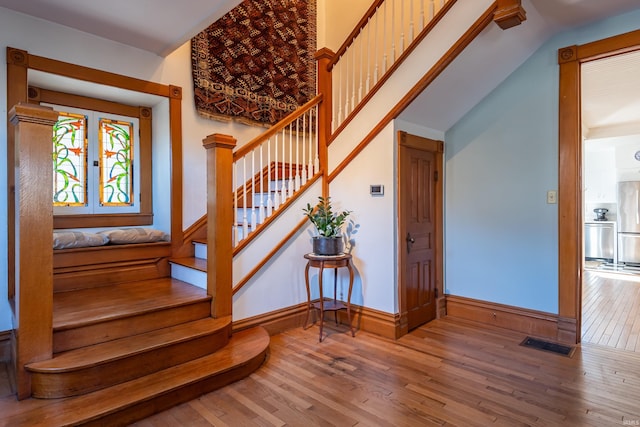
(256, 64)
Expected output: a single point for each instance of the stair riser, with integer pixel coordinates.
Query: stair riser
(140, 410)
(49, 385)
(82, 336)
(200, 250)
(190, 275)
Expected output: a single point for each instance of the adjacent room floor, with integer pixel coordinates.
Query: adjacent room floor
(611, 308)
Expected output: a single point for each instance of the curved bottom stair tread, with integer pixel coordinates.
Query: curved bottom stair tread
(102, 365)
(125, 403)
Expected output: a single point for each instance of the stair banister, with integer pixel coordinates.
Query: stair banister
(33, 298)
(219, 222)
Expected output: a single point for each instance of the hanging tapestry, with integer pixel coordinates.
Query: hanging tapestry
(256, 64)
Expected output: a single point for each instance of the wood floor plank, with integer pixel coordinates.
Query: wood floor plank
(611, 310)
(446, 373)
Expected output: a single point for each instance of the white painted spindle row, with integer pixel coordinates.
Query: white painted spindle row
(387, 33)
(273, 171)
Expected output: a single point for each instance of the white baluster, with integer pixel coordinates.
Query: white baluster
(384, 39)
(276, 197)
(393, 32)
(254, 219)
(304, 146)
(432, 9)
(346, 89)
(367, 86)
(297, 172)
(353, 86)
(316, 164)
(421, 15)
(401, 27)
(269, 194)
(360, 88)
(236, 231)
(375, 50)
(283, 189)
(290, 185)
(245, 222)
(338, 118)
(311, 139)
(411, 22)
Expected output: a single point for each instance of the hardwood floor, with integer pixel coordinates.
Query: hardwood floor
(611, 310)
(448, 372)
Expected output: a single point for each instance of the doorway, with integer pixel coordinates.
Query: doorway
(420, 229)
(610, 96)
(570, 191)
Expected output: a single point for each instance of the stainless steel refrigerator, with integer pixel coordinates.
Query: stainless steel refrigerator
(629, 222)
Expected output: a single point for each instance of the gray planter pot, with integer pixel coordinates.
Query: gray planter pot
(328, 245)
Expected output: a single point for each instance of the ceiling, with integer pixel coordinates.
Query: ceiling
(612, 88)
(608, 101)
(158, 26)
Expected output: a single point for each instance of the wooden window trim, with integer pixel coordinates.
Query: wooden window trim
(144, 116)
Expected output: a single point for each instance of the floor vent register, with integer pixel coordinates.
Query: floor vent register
(564, 350)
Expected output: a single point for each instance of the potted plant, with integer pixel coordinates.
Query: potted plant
(328, 224)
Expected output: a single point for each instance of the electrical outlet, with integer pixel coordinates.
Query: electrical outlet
(552, 197)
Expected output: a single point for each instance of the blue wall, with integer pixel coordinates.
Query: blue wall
(501, 237)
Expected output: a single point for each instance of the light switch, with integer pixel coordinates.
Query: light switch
(552, 197)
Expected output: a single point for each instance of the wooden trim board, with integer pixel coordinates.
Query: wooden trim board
(531, 322)
(364, 319)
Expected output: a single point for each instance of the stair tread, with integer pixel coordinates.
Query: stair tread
(243, 347)
(93, 305)
(191, 262)
(97, 354)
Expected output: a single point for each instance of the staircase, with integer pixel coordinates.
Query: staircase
(126, 351)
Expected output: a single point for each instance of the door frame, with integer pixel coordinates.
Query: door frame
(406, 140)
(570, 233)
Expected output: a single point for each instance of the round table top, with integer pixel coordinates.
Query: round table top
(315, 257)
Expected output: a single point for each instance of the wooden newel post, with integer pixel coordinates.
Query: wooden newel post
(220, 222)
(33, 298)
(323, 58)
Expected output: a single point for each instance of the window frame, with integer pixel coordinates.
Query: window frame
(144, 116)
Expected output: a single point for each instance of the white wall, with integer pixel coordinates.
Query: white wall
(501, 236)
(332, 32)
(62, 43)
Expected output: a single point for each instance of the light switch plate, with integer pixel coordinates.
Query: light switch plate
(552, 197)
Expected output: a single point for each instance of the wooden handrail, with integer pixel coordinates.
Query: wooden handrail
(251, 145)
(351, 37)
(403, 56)
(479, 25)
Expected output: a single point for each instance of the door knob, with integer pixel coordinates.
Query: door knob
(410, 240)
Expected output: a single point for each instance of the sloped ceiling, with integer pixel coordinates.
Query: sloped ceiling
(161, 26)
(494, 55)
(158, 26)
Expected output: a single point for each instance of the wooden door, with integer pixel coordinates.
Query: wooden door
(420, 228)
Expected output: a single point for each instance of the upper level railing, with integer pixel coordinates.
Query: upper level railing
(270, 169)
(377, 42)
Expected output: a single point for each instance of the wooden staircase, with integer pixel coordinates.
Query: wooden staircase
(126, 351)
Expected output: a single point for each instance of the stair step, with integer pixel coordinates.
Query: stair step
(191, 262)
(200, 248)
(191, 270)
(128, 402)
(102, 365)
(90, 316)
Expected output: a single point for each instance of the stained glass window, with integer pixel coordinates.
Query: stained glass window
(70, 160)
(116, 162)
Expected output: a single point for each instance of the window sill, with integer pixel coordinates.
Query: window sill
(102, 220)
